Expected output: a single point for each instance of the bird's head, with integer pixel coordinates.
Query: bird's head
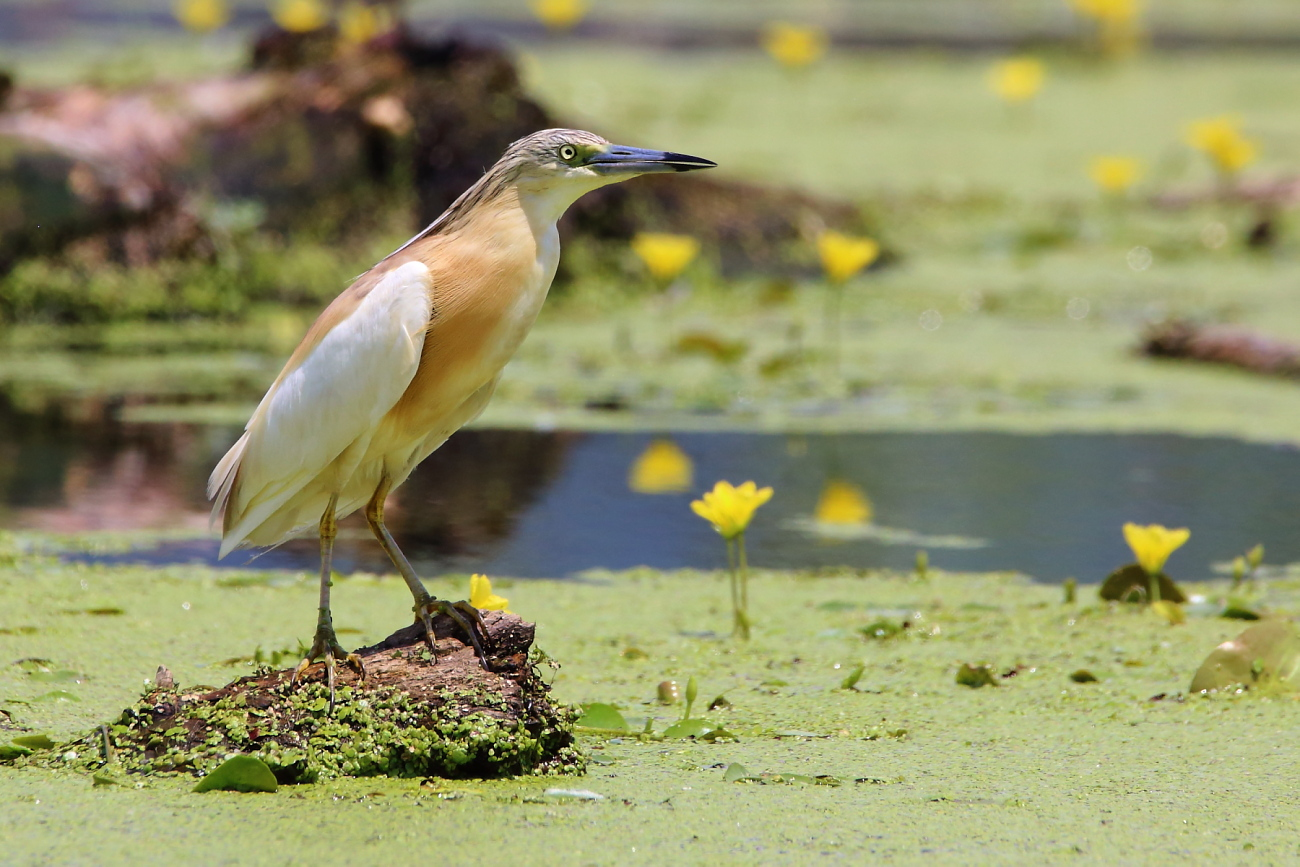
(570, 162)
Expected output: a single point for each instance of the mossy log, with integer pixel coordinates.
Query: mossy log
(325, 139)
(411, 716)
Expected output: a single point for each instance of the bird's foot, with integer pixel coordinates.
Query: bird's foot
(325, 647)
(467, 617)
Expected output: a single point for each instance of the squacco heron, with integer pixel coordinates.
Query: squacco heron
(404, 357)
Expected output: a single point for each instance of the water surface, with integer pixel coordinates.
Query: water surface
(549, 504)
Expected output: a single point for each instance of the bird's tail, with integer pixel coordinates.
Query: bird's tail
(222, 481)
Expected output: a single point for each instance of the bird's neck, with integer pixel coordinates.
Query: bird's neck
(545, 203)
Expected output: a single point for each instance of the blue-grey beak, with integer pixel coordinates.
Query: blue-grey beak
(620, 160)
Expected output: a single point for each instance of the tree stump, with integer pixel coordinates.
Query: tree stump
(412, 716)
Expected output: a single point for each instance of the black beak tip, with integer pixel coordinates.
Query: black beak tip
(685, 163)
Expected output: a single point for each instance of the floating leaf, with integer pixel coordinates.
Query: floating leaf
(738, 773)
(34, 742)
(62, 676)
(850, 680)
(689, 728)
(1130, 584)
(1083, 675)
(574, 794)
(103, 779)
(720, 703)
(1268, 652)
(9, 752)
(882, 629)
(975, 676)
(56, 695)
(239, 774)
(598, 715)
(1232, 612)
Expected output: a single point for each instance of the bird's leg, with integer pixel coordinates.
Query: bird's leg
(466, 616)
(325, 646)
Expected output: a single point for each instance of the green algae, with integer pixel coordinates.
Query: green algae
(1040, 768)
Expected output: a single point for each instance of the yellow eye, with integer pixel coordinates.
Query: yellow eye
(568, 152)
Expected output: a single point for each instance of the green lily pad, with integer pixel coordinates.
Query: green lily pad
(738, 773)
(62, 676)
(881, 629)
(9, 752)
(975, 676)
(598, 715)
(34, 742)
(1268, 652)
(1083, 675)
(56, 695)
(1129, 584)
(239, 774)
(1233, 612)
(850, 680)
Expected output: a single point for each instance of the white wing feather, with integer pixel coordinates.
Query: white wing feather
(333, 400)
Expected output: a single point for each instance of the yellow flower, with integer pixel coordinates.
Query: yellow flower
(201, 16)
(1221, 140)
(1115, 174)
(843, 255)
(842, 502)
(559, 14)
(1107, 10)
(360, 23)
(300, 16)
(1152, 545)
(793, 45)
(665, 255)
(482, 597)
(662, 468)
(729, 508)
(1017, 79)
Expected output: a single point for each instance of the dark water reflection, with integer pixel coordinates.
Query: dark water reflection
(553, 503)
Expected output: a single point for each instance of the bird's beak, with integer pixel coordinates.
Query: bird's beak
(621, 160)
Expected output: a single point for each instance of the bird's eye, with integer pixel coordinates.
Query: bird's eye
(568, 152)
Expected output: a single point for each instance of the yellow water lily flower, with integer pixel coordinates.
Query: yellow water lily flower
(1108, 10)
(794, 45)
(845, 255)
(1221, 139)
(300, 16)
(202, 16)
(1115, 174)
(663, 468)
(843, 502)
(1153, 544)
(359, 22)
(664, 254)
(1017, 79)
(729, 508)
(559, 14)
(482, 597)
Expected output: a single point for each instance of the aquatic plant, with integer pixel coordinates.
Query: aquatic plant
(665, 255)
(482, 597)
(1115, 174)
(1246, 566)
(1117, 23)
(559, 14)
(202, 16)
(842, 257)
(663, 468)
(1017, 79)
(794, 46)
(300, 16)
(729, 509)
(1222, 141)
(1146, 579)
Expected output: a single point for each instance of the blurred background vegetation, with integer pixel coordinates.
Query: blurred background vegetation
(1031, 171)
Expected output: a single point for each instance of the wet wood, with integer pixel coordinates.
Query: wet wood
(1222, 344)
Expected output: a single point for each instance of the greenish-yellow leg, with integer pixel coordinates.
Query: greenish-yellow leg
(466, 616)
(325, 646)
